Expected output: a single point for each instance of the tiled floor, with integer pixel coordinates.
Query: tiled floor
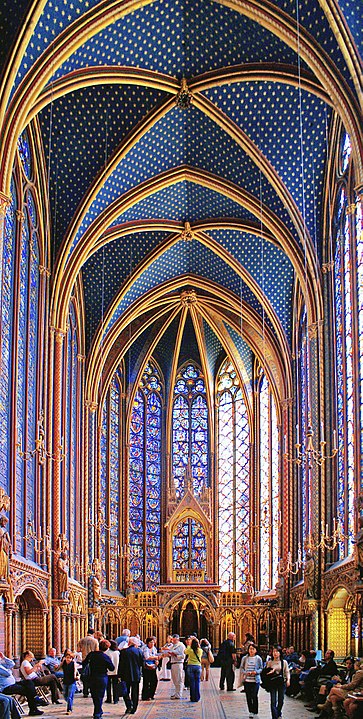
(214, 704)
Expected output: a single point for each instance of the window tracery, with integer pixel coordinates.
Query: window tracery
(190, 430)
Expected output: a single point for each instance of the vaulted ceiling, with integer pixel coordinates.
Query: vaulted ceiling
(186, 147)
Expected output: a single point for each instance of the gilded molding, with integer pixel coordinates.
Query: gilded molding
(350, 209)
(313, 329)
(286, 403)
(4, 204)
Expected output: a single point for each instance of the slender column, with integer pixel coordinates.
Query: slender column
(56, 519)
(4, 204)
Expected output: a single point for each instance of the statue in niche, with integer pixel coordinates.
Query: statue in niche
(5, 549)
(96, 581)
(63, 579)
(309, 576)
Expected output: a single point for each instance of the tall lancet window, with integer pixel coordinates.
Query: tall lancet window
(190, 430)
(145, 481)
(233, 481)
(110, 481)
(25, 336)
(269, 485)
(343, 284)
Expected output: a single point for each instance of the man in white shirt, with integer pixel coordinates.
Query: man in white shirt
(177, 660)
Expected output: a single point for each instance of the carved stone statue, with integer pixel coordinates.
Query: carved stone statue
(62, 543)
(309, 576)
(96, 581)
(62, 568)
(5, 549)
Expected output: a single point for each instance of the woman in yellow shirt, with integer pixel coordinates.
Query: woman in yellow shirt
(194, 668)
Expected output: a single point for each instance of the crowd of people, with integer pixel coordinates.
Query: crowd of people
(114, 669)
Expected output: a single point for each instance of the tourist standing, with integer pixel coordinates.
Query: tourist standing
(278, 675)
(99, 663)
(194, 668)
(206, 649)
(165, 673)
(112, 678)
(227, 656)
(149, 673)
(177, 661)
(85, 646)
(251, 668)
(129, 671)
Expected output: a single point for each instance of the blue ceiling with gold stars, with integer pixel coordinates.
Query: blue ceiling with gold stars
(183, 167)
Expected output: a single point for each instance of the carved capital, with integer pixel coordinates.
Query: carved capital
(351, 208)
(19, 215)
(59, 334)
(327, 267)
(4, 204)
(313, 329)
(286, 403)
(91, 405)
(81, 358)
(44, 271)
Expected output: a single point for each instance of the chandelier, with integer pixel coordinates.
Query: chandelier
(308, 452)
(40, 450)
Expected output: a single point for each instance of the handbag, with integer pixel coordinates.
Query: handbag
(86, 671)
(210, 657)
(122, 689)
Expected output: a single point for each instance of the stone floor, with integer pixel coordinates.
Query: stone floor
(214, 704)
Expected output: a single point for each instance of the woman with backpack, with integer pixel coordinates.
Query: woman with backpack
(250, 670)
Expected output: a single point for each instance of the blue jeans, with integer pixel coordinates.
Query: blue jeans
(251, 689)
(98, 688)
(277, 695)
(194, 672)
(68, 693)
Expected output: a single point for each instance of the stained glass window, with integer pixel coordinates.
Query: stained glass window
(110, 482)
(6, 334)
(190, 430)
(189, 546)
(145, 481)
(27, 352)
(233, 481)
(269, 486)
(344, 355)
(25, 154)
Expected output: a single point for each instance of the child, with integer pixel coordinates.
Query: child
(69, 678)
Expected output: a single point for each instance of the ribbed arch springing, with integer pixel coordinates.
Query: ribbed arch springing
(233, 481)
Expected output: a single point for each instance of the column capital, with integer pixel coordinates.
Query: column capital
(91, 405)
(44, 271)
(327, 267)
(350, 210)
(286, 403)
(19, 214)
(58, 333)
(4, 203)
(313, 328)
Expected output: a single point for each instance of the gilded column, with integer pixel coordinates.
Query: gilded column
(58, 335)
